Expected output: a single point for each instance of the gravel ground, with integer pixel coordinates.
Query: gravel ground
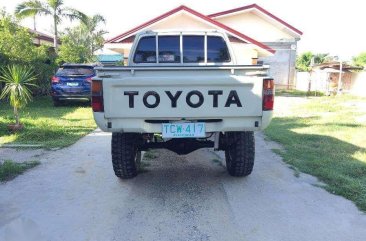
(74, 195)
(21, 155)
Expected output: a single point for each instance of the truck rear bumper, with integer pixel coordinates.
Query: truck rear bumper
(155, 126)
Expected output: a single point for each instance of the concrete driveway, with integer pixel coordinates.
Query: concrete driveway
(74, 195)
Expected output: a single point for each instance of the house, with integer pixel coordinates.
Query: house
(255, 34)
(110, 59)
(331, 77)
(42, 38)
(107, 57)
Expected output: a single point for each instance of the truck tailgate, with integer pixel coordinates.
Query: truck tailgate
(145, 94)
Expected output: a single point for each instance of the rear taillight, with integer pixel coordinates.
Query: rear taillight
(97, 96)
(89, 80)
(55, 79)
(268, 94)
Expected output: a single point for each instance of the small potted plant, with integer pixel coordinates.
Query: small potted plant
(17, 79)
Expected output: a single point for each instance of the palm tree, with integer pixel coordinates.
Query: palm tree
(54, 8)
(321, 58)
(96, 35)
(32, 10)
(17, 81)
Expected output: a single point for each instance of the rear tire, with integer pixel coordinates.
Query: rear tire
(240, 153)
(126, 157)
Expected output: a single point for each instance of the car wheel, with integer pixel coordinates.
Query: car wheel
(126, 157)
(239, 153)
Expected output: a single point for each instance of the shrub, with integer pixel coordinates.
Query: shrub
(16, 47)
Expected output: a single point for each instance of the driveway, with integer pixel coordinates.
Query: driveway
(74, 195)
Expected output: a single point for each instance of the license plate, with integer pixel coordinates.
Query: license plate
(184, 130)
(72, 90)
(72, 84)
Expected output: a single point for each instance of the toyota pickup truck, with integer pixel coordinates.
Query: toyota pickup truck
(182, 91)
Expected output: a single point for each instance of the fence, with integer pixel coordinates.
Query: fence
(352, 82)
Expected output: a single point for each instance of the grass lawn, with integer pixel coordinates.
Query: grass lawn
(47, 125)
(284, 92)
(9, 169)
(326, 137)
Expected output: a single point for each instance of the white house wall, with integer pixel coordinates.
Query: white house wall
(282, 63)
(320, 82)
(255, 27)
(358, 84)
(180, 21)
(271, 34)
(243, 53)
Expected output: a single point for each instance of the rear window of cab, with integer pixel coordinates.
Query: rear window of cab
(193, 49)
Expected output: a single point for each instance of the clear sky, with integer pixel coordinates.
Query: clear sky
(334, 27)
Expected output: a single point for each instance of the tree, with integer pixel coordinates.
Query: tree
(73, 50)
(54, 8)
(17, 81)
(80, 43)
(95, 36)
(360, 60)
(303, 61)
(15, 42)
(16, 47)
(321, 58)
(306, 59)
(32, 10)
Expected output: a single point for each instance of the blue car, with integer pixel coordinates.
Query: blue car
(72, 81)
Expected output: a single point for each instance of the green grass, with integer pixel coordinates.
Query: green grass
(47, 125)
(299, 93)
(326, 137)
(150, 154)
(9, 169)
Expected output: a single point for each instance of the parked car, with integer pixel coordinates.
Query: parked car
(72, 81)
(184, 88)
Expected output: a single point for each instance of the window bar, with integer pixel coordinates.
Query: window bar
(157, 47)
(205, 48)
(181, 47)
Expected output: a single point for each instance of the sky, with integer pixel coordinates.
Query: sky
(333, 27)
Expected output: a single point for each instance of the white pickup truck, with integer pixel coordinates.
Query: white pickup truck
(182, 91)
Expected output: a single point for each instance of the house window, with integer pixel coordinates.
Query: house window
(193, 49)
(217, 50)
(169, 49)
(146, 50)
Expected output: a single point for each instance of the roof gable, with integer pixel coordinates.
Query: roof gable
(255, 7)
(262, 48)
